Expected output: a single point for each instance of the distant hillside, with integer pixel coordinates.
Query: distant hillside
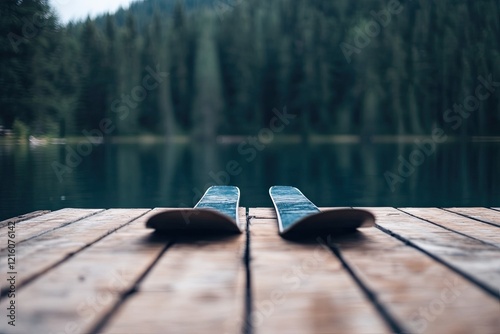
(232, 66)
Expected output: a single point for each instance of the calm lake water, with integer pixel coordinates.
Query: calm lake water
(175, 175)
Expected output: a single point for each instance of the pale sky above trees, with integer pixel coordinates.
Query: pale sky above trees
(79, 9)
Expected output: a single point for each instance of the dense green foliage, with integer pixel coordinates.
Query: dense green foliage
(30, 79)
(341, 66)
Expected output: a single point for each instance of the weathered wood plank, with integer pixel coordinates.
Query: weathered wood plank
(197, 285)
(311, 293)
(259, 213)
(303, 288)
(22, 218)
(449, 220)
(424, 295)
(48, 222)
(474, 259)
(486, 215)
(36, 256)
(74, 295)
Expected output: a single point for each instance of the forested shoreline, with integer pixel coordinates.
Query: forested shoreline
(207, 68)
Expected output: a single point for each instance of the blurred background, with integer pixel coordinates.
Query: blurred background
(362, 103)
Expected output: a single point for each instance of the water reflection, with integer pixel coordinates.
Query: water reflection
(150, 175)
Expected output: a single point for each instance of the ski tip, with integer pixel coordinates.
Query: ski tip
(278, 188)
(192, 222)
(331, 222)
(223, 189)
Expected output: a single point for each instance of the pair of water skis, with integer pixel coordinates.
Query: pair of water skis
(298, 217)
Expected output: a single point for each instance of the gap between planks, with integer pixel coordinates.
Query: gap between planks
(42, 224)
(457, 223)
(198, 284)
(81, 269)
(41, 254)
(73, 294)
(486, 215)
(475, 260)
(22, 218)
(303, 287)
(422, 294)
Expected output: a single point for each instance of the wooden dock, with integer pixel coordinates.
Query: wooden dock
(421, 270)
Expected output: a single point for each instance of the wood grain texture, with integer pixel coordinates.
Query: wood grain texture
(455, 222)
(107, 272)
(36, 256)
(196, 286)
(270, 213)
(478, 261)
(490, 216)
(259, 213)
(22, 218)
(76, 294)
(423, 295)
(303, 288)
(45, 223)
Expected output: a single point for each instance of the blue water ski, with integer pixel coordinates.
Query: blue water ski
(216, 212)
(298, 216)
